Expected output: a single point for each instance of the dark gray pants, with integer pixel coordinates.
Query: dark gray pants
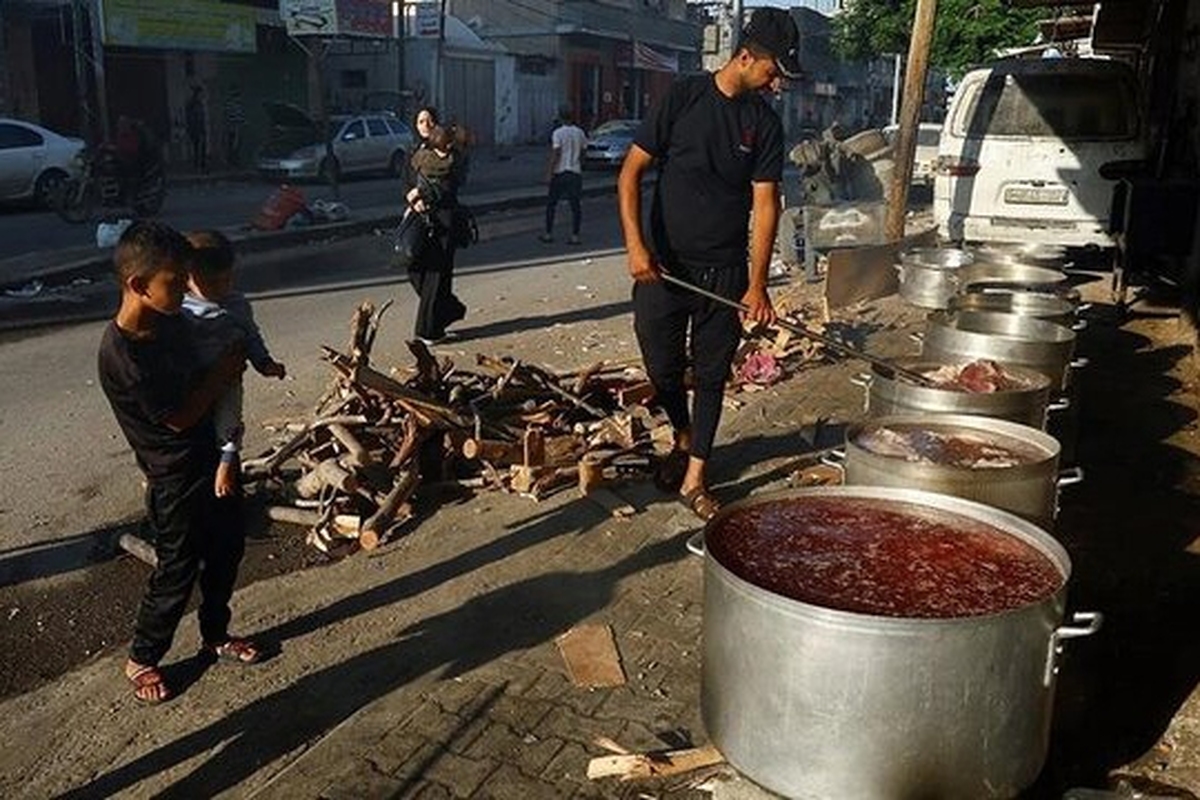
(570, 186)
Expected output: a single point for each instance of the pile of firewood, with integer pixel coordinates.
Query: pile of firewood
(351, 471)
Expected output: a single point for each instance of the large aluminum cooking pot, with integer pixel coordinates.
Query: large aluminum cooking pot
(929, 275)
(1022, 277)
(816, 702)
(1040, 305)
(887, 394)
(1039, 255)
(1027, 487)
(1004, 338)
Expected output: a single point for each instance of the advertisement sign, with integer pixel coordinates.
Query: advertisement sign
(179, 25)
(366, 18)
(427, 20)
(309, 17)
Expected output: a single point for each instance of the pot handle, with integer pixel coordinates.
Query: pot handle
(1079, 325)
(917, 336)
(1070, 477)
(1082, 307)
(1061, 404)
(695, 544)
(1079, 363)
(1092, 620)
(835, 458)
(862, 379)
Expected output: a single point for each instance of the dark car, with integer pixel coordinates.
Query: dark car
(608, 143)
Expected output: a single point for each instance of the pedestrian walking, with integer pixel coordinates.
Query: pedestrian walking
(162, 399)
(195, 120)
(222, 316)
(719, 150)
(433, 199)
(564, 174)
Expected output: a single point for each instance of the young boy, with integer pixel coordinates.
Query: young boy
(162, 401)
(220, 317)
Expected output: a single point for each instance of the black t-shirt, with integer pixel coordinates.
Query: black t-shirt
(145, 380)
(709, 149)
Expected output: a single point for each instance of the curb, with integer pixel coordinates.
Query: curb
(249, 241)
(98, 299)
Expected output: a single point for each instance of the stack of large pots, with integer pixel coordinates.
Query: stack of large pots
(827, 695)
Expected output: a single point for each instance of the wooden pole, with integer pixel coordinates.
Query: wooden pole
(910, 116)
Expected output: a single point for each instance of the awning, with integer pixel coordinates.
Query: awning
(643, 56)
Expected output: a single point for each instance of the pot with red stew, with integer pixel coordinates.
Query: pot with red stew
(867, 642)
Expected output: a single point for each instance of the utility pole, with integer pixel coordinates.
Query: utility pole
(438, 100)
(95, 10)
(910, 116)
(81, 73)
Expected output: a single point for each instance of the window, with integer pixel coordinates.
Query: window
(376, 126)
(398, 127)
(14, 136)
(1051, 105)
(355, 130)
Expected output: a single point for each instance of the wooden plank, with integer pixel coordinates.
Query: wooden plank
(633, 766)
(591, 656)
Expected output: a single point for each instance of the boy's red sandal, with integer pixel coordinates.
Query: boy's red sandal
(149, 686)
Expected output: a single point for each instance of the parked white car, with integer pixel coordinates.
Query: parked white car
(34, 161)
(1030, 150)
(363, 143)
(929, 134)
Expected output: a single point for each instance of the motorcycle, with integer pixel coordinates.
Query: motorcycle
(103, 184)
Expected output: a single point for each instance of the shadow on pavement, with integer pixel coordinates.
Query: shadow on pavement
(1128, 528)
(484, 628)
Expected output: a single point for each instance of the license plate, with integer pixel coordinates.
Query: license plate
(1036, 195)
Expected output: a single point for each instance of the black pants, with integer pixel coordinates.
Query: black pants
(570, 186)
(662, 316)
(432, 277)
(198, 537)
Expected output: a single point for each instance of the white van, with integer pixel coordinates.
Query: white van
(1022, 150)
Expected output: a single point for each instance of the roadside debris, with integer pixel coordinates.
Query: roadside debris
(628, 766)
(591, 656)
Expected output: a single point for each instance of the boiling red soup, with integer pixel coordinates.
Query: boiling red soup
(881, 557)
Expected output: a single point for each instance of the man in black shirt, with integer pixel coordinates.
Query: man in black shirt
(719, 151)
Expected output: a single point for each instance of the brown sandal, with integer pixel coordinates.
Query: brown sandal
(149, 686)
(239, 651)
(701, 503)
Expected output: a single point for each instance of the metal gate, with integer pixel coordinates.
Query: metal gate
(470, 96)
(538, 99)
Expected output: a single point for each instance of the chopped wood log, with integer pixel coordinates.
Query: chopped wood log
(360, 338)
(269, 464)
(327, 473)
(345, 525)
(533, 447)
(591, 473)
(635, 394)
(375, 529)
(357, 454)
(590, 653)
(499, 453)
(139, 548)
(656, 764)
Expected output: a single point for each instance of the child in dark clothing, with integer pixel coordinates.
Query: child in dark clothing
(162, 401)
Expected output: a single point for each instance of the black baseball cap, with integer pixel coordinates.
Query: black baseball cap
(774, 30)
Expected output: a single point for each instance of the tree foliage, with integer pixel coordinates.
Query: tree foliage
(967, 32)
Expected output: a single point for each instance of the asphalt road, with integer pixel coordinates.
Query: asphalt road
(227, 203)
(66, 468)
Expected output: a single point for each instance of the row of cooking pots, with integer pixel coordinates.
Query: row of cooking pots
(820, 700)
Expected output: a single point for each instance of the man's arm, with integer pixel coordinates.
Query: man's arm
(629, 199)
(764, 222)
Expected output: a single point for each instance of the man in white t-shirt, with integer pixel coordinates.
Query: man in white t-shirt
(564, 173)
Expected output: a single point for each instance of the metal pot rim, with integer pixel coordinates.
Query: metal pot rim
(965, 422)
(1035, 331)
(1039, 380)
(1002, 520)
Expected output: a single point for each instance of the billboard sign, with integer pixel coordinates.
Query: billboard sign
(180, 25)
(367, 18)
